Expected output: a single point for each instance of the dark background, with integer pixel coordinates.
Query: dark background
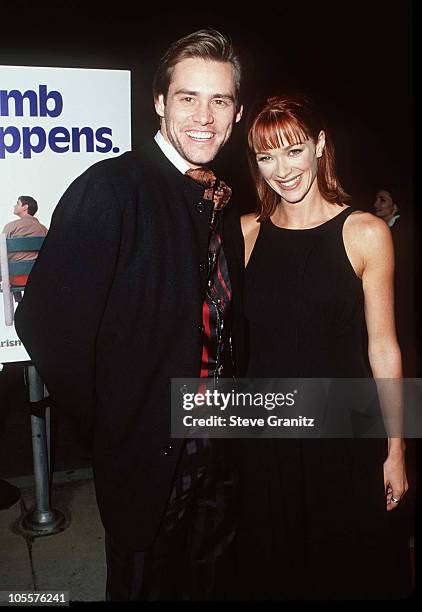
(354, 58)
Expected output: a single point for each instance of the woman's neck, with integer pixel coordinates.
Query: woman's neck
(305, 214)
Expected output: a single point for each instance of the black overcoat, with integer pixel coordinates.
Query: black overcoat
(113, 310)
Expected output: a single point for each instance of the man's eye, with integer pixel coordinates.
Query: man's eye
(187, 99)
(220, 103)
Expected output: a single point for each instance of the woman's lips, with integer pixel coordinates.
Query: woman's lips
(290, 185)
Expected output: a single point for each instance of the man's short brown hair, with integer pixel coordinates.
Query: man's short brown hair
(205, 44)
(30, 202)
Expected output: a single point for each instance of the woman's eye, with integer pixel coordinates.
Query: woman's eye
(264, 158)
(293, 152)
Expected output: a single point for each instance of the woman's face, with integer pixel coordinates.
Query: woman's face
(383, 204)
(291, 170)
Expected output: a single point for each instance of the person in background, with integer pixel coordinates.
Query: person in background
(385, 208)
(25, 226)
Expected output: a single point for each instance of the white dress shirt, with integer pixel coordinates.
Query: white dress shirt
(171, 153)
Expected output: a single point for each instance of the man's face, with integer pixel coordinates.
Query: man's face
(199, 112)
(19, 208)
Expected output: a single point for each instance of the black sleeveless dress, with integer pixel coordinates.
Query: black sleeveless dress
(313, 523)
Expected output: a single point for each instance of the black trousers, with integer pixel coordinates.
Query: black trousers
(192, 557)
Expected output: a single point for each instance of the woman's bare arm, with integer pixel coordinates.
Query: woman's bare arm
(370, 248)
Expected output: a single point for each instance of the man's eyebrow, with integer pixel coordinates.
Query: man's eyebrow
(226, 96)
(187, 92)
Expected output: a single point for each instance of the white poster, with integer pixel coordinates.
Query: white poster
(54, 123)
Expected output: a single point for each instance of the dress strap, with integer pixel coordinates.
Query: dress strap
(345, 213)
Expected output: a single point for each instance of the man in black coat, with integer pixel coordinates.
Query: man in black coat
(120, 301)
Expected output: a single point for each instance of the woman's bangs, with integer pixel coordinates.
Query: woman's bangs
(275, 132)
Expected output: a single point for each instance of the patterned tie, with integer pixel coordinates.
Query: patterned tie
(220, 195)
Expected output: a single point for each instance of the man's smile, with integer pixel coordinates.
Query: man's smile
(200, 136)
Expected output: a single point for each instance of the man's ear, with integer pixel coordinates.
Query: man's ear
(239, 114)
(160, 105)
(320, 143)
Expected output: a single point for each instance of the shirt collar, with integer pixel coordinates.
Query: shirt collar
(393, 220)
(170, 152)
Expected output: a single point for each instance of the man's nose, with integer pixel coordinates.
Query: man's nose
(203, 114)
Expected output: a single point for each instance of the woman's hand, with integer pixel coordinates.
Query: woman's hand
(395, 480)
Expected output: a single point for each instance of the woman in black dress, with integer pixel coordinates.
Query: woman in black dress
(320, 518)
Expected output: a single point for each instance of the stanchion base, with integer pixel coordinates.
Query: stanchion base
(42, 522)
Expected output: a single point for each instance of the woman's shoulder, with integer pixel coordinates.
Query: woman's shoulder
(366, 230)
(365, 223)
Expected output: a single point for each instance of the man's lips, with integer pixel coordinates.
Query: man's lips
(200, 136)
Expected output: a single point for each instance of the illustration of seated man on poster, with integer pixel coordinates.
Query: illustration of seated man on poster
(27, 225)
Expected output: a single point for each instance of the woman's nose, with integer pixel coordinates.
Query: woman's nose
(283, 168)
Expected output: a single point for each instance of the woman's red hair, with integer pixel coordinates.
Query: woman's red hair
(284, 121)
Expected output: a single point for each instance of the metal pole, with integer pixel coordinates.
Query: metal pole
(48, 436)
(48, 432)
(41, 520)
